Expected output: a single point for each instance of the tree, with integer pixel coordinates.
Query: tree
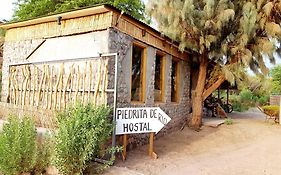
(27, 9)
(229, 34)
(275, 74)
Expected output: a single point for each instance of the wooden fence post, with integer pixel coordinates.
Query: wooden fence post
(151, 152)
(125, 143)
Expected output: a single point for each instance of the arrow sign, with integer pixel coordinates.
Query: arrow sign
(140, 120)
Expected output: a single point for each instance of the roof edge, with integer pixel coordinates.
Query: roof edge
(51, 18)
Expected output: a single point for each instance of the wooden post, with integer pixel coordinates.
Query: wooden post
(125, 143)
(151, 152)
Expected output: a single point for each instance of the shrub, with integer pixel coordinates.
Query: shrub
(238, 106)
(246, 95)
(17, 146)
(43, 155)
(82, 130)
(228, 121)
(247, 99)
(272, 110)
(263, 100)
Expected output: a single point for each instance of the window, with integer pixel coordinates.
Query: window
(159, 78)
(137, 87)
(175, 81)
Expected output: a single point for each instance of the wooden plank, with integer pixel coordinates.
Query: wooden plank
(125, 143)
(151, 152)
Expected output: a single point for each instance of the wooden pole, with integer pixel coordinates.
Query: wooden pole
(28, 83)
(16, 87)
(77, 84)
(84, 83)
(97, 86)
(125, 143)
(90, 82)
(51, 87)
(151, 152)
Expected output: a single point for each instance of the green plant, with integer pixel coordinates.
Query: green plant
(82, 130)
(272, 110)
(43, 154)
(263, 100)
(18, 146)
(228, 121)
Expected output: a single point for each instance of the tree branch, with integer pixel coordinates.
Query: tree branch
(213, 87)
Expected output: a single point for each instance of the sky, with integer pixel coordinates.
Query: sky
(6, 9)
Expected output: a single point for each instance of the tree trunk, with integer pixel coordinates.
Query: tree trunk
(197, 99)
(213, 87)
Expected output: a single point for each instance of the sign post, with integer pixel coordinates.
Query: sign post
(140, 120)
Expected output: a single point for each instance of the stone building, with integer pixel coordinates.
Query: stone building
(54, 60)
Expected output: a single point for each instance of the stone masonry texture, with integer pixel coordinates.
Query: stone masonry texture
(116, 41)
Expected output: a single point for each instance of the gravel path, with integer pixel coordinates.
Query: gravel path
(250, 146)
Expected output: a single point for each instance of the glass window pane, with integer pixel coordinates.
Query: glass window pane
(158, 84)
(136, 91)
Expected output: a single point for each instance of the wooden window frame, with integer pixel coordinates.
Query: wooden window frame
(143, 73)
(163, 76)
(177, 80)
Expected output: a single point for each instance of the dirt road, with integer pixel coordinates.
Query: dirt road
(250, 146)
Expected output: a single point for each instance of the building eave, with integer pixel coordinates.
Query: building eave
(54, 17)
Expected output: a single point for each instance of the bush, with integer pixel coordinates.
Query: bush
(20, 152)
(247, 99)
(18, 146)
(82, 130)
(228, 121)
(272, 110)
(238, 106)
(43, 155)
(246, 95)
(263, 100)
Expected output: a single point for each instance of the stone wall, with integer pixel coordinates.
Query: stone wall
(116, 41)
(122, 43)
(42, 117)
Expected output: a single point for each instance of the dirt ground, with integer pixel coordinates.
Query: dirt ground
(250, 146)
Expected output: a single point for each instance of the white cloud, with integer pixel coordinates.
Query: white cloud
(6, 9)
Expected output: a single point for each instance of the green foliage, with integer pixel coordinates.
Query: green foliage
(247, 99)
(246, 96)
(233, 35)
(82, 130)
(27, 9)
(238, 106)
(275, 74)
(18, 146)
(228, 121)
(43, 155)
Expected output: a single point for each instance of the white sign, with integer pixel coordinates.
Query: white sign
(140, 120)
